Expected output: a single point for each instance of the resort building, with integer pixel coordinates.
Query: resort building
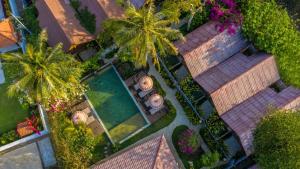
(152, 154)
(58, 17)
(8, 36)
(237, 79)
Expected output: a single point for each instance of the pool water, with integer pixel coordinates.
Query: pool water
(114, 105)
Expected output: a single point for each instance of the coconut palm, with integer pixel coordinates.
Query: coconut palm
(143, 33)
(43, 73)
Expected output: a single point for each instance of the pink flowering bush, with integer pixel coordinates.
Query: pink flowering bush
(227, 13)
(189, 141)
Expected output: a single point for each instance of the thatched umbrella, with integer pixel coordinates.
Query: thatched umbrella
(145, 83)
(156, 101)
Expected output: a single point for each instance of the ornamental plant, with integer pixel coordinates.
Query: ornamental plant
(227, 13)
(189, 141)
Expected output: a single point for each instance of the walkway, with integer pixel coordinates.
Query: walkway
(180, 119)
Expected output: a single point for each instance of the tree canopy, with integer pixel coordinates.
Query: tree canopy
(277, 141)
(143, 33)
(43, 73)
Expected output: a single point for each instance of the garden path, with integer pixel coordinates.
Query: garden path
(180, 119)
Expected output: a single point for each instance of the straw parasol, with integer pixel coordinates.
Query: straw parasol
(146, 83)
(156, 101)
(79, 117)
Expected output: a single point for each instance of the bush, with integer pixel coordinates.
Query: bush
(277, 141)
(90, 65)
(74, 145)
(191, 89)
(270, 28)
(191, 115)
(29, 17)
(216, 126)
(189, 141)
(210, 159)
(8, 137)
(85, 17)
(186, 158)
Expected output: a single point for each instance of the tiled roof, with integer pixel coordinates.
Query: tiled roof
(205, 47)
(243, 118)
(58, 17)
(238, 78)
(8, 36)
(137, 3)
(152, 154)
(103, 9)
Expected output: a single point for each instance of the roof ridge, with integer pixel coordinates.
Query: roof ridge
(158, 148)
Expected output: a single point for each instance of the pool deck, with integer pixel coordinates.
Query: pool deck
(141, 111)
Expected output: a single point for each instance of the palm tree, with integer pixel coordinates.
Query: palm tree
(43, 73)
(143, 33)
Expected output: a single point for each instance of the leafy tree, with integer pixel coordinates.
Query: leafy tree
(143, 33)
(270, 28)
(43, 73)
(74, 144)
(173, 9)
(209, 159)
(276, 141)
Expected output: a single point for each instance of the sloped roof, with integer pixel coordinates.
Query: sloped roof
(152, 154)
(238, 78)
(8, 36)
(58, 17)
(243, 118)
(103, 9)
(137, 3)
(205, 47)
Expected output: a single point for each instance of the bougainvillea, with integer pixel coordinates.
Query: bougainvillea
(189, 141)
(227, 13)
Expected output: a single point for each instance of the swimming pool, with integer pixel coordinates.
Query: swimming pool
(114, 105)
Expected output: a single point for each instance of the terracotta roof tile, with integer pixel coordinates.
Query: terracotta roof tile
(244, 117)
(152, 154)
(8, 36)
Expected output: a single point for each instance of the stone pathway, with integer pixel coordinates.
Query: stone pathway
(180, 119)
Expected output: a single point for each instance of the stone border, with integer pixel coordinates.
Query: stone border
(32, 137)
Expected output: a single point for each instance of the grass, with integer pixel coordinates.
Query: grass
(195, 158)
(11, 112)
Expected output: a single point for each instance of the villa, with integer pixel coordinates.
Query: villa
(151, 154)
(237, 79)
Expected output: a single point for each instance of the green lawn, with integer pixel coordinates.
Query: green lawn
(11, 112)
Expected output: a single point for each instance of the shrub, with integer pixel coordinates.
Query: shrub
(191, 89)
(191, 115)
(216, 125)
(270, 28)
(85, 17)
(276, 141)
(210, 159)
(73, 144)
(90, 65)
(8, 137)
(29, 17)
(189, 141)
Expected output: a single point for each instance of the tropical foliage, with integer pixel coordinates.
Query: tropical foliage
(189, 141)
(74, 145)
(276, 141)
(43, 73)
(270, 28)
(210, 159)
(143, 33)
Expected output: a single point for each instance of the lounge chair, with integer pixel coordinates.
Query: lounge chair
(144, 93)
(155, 110)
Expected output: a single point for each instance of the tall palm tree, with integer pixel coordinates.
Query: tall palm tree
(43, 73)
(143, 33)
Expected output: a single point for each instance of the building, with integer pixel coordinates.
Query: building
(237, 79)
(9, 38)
(152, 154)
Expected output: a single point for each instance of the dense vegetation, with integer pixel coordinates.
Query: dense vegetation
(74, 144)
(276, 141)
(43, 73)
(271, 29)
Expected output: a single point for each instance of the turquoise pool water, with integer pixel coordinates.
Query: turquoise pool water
(114, 105)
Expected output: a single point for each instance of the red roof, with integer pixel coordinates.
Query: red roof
(243, 118)
(58, 17)
(205, 47)
(103, 9)
(238, 78)
(8, 36)
(152, 154)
